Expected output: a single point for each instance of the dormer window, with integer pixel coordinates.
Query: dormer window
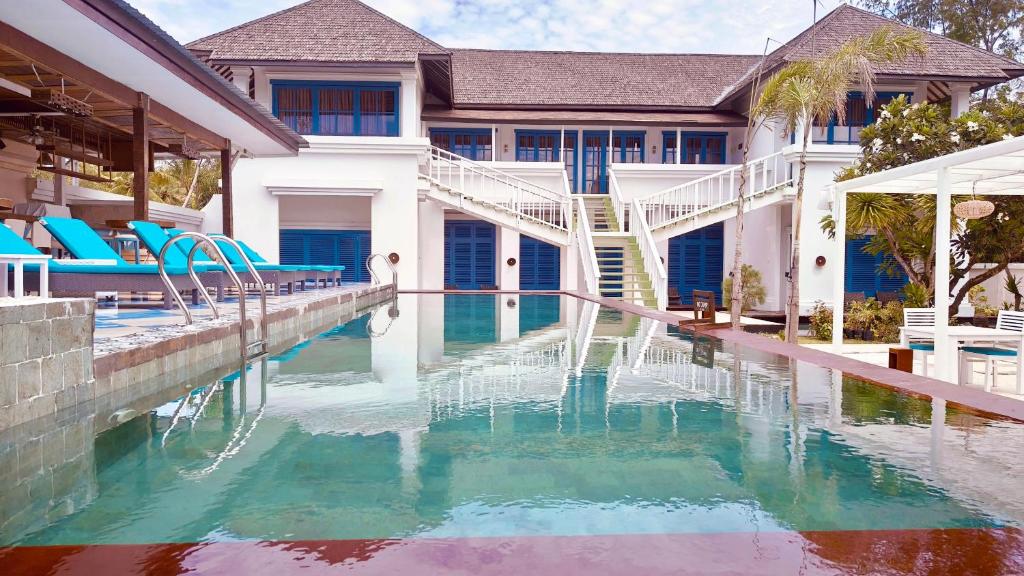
(337, 108)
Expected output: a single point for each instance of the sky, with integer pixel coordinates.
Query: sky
(720, 26)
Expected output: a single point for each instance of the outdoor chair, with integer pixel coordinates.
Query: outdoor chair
(924, 348)
(992, 355)
(153, 237)
(675, 299)
(849, 297)
(330, 272)
(110, 274)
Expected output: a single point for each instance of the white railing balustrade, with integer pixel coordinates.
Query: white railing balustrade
(480, 183)
(588, 253)
(618, 204)
(714, 191)
(639, 228)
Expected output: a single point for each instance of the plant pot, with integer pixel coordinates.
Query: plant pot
(867, 335)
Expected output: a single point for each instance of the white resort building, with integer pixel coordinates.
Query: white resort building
(532, 165)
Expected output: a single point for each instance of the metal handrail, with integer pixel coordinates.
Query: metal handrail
(376, 279)
(200, 240)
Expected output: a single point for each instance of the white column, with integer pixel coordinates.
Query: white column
(938, 430)
(561, 144)
(569, 264)
(393, 355)
(960, 99)
(431, 329)
(494, 141)
(838, 271)
(240, 78)
(508, 247)
(431, 247)
(394, 222)
(508, 317)
(945, 353)
(679, 146)
(410, 110)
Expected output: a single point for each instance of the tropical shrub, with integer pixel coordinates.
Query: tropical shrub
(821, 322)
(753, 290)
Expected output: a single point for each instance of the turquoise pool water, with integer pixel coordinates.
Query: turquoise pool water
(514, 418)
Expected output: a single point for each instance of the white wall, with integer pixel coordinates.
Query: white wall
(335, 168)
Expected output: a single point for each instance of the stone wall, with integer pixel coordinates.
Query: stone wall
(45, 356)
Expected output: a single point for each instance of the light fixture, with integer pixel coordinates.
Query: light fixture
(45, 160)
(973, 209)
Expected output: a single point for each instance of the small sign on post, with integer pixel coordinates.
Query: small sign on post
(704, 312)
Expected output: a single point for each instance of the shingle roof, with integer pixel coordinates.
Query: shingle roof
(591, 79)
(320, 31)
(944, 58)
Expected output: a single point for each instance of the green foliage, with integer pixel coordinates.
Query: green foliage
(172, 180)
(1013, 287)
(883, 321)
(904, 225)
(821, 322)
(751, 287)
(976, 296)
(916, 296)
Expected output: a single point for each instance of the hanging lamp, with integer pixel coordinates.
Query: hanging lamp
(973, 209)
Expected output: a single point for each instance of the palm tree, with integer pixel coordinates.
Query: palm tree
(809, 91)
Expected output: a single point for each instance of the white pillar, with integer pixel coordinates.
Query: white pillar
(945, 354)
(569, 264)
(409, 112)
(431, 234)
(561, 145)
(394, 222)
(838, 271)
(508, 247)
(960, 99)
(508, 317)
(679, 146)
(494, 141)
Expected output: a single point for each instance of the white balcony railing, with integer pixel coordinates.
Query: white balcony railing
(618, 204)
(714, 191)
(501, 190)
(655, 268)
(588, 254)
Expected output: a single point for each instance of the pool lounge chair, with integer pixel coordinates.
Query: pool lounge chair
(331, 272)
(107, 274)
(154, 238)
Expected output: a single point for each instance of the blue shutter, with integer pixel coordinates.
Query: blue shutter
(469, 253)
(539, 265)
(863, 273)
(348, 248)
(696, 260)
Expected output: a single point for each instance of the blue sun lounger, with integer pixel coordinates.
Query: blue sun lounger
(104, 271)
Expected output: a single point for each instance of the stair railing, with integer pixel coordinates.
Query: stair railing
(714, 191)
(588, 253)
(481, 183)
(618, 204)
(655, 268)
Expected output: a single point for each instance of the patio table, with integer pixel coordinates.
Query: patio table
(971, 336)
(18, 261)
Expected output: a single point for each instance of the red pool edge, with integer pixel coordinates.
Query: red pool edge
(960, 551)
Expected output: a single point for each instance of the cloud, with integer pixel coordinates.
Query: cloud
(726, 26)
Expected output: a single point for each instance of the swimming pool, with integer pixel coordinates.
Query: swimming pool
(480, 434)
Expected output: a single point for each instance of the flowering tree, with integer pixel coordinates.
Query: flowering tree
(903, 225)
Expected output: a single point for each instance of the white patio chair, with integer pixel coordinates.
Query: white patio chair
(922, 347)
(992, 355)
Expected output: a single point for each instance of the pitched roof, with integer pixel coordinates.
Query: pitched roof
(517, 78)
(944, 58)
(320, 31)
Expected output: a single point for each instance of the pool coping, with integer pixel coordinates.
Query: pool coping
(968, 399)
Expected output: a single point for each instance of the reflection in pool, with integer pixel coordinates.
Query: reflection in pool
(513, 433)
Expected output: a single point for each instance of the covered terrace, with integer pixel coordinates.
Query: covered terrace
(993, 169)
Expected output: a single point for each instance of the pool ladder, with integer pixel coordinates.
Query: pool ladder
(247, 350)
(393, 307)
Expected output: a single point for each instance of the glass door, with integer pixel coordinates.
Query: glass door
(595, 163)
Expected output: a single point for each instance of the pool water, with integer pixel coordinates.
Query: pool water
(507, 434)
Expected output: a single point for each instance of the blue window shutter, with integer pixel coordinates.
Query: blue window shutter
(348, 248)
(539, 265)
(860, 267)
(292, 250)
(696, 262)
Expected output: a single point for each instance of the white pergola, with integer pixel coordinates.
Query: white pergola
(993, 169)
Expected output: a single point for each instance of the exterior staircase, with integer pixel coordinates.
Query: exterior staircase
(712, 199)
(497, 197)
(621, 266)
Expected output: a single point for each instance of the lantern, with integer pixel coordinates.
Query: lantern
(973, 209)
